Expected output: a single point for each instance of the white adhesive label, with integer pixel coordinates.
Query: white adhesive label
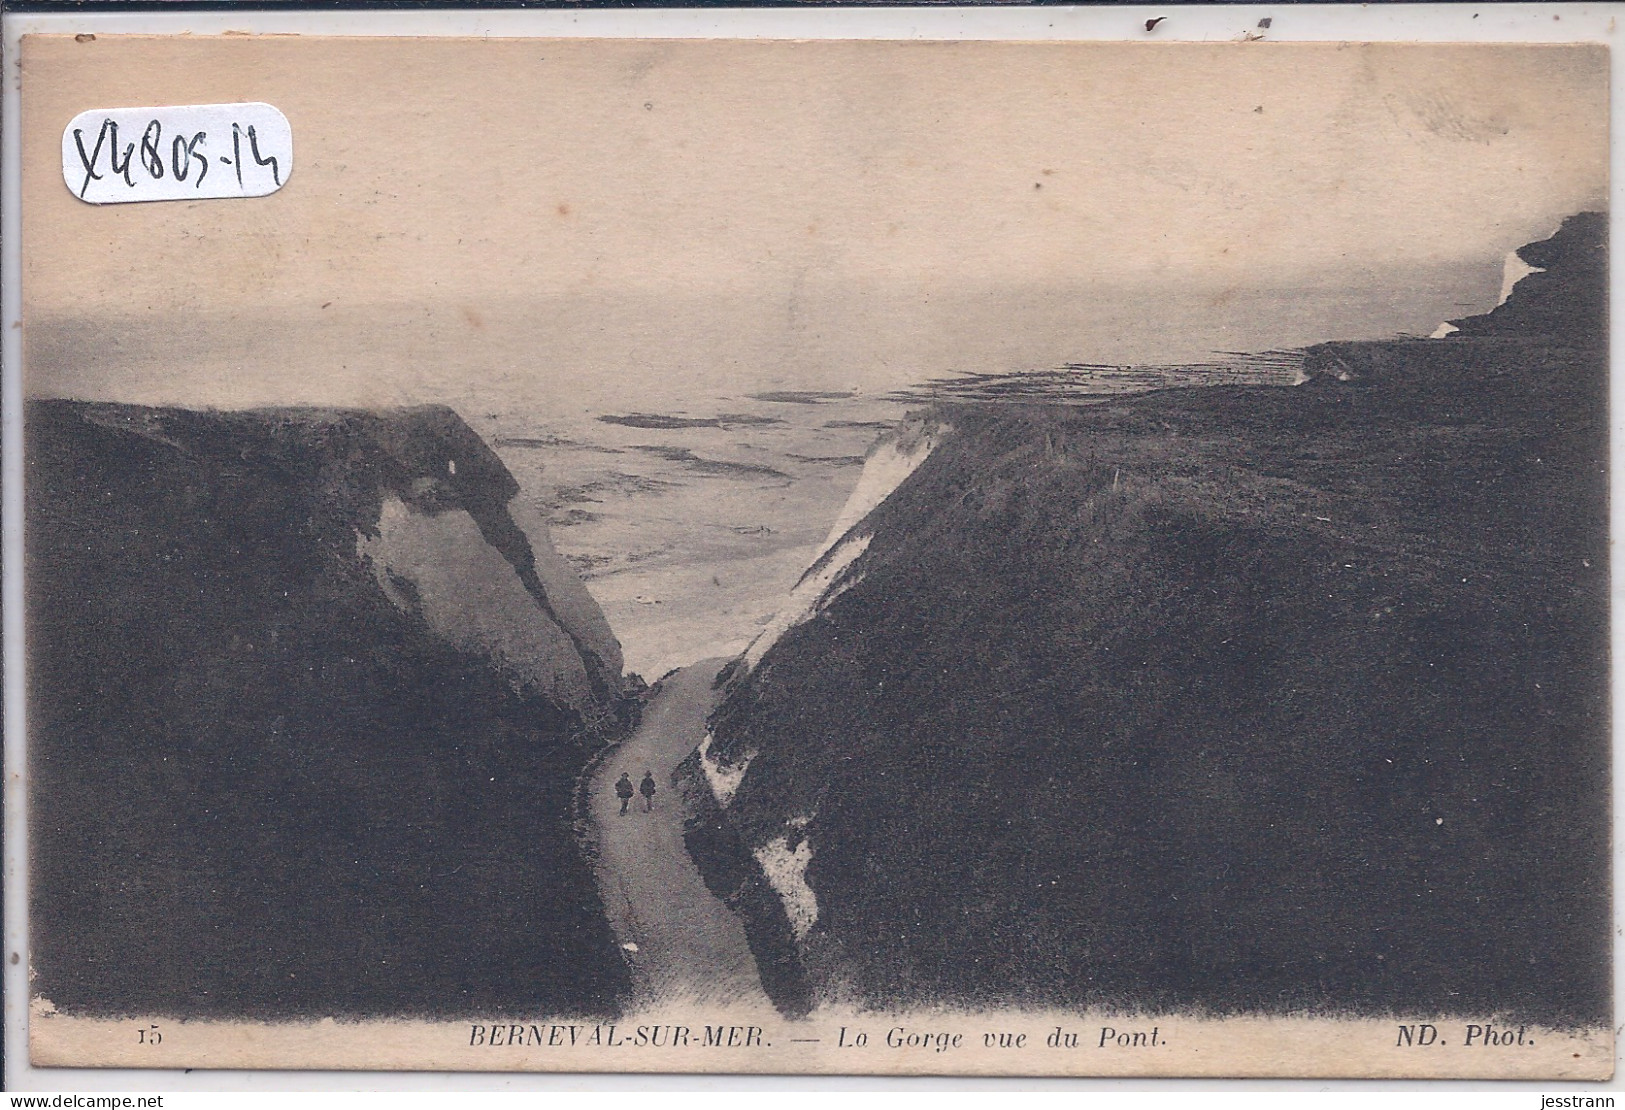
(191, 152)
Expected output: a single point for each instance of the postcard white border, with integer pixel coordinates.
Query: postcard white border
(1538, 22)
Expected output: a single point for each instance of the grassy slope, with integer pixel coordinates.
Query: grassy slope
(258, 788)
(1163, 703)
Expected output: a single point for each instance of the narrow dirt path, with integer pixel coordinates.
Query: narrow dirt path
(690, 948)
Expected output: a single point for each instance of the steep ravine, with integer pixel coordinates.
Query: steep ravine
(687, 950)
(1232, 699)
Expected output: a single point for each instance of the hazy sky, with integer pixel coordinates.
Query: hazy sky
(735, 202)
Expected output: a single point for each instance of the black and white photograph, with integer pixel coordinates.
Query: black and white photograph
(843, 557)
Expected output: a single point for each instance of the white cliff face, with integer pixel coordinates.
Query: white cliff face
(895, 456)
(786, 871)
(440, 565)
(1513, 270)
(817, 588)
(891, 460)
(723, 780)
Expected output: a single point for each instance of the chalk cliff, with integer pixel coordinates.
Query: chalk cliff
(309, 691)
(894, 456)
(1228, 699)
(1557, 287)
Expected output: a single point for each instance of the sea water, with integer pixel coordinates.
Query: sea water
(691, 525)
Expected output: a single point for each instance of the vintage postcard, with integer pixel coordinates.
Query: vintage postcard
(879, 557)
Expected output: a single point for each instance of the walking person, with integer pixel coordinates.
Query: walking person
(648, 788)
(623, 790)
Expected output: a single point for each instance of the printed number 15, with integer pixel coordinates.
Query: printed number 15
(149, 1035)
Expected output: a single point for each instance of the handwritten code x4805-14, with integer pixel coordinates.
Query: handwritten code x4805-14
(188, 152)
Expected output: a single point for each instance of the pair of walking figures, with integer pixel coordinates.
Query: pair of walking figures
(623, 790)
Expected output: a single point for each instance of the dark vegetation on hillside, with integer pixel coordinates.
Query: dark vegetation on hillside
(1233, 699)
(259, 789)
